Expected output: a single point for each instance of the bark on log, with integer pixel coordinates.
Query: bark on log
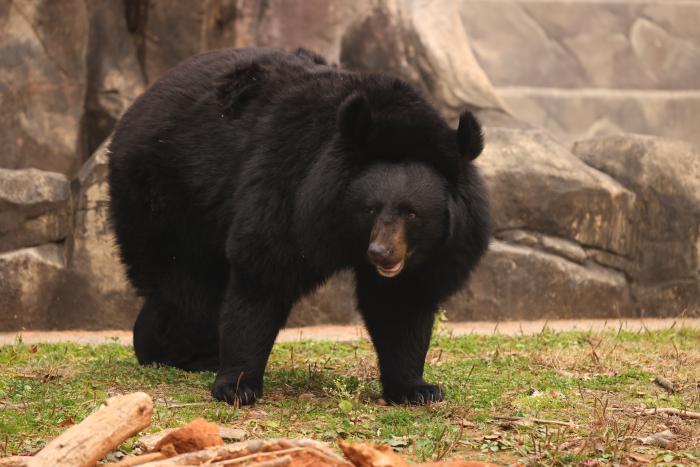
(246, 452)
(89, 441)
(20, 461)
(138, 460)
(672, 411)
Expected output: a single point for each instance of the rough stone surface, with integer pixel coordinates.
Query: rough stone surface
(564, 248)
(42, 83)
(518, 282)
(536, 184)
(665, 176)
(317, 25)
(65, 84)
(519, 237)
(424, 43)
(413, 40)
(334, 302)
(621, 44)
(610, 260)
(630, 66)
(172, 32)
(115, 77)
(94, 292)
(28, 280)
(557, 246)
(34, 208)
(572, 115)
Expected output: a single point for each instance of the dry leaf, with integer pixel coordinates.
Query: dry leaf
(367, 455)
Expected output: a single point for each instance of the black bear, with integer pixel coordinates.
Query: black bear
(244, 178)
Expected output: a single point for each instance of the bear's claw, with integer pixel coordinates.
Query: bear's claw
(233, 392)
(420, 394)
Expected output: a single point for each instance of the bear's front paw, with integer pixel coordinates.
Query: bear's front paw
(419, 393)
(232, 390)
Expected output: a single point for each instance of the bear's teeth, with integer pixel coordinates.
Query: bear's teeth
(392, 271)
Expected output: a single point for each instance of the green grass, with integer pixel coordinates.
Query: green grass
(324, 390)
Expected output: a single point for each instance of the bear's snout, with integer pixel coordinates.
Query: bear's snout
(387, 248)
(379, 253)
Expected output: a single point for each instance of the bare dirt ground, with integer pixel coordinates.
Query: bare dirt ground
(355, 332)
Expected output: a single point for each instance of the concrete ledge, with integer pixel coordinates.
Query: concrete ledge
(354, 333)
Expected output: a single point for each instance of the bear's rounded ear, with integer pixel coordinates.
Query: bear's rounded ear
(470, 138)
(355, 119)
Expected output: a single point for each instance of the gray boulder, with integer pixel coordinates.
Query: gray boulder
(576, 114)
(520, 282)
(333, 303)
(552, 215)
(43, 83)
(417, 41)
(665, 176)
(95, 292)
(34, 208)
(622, 44)
(115, 78)
(425, 44)
(536, 184)
(28, 281)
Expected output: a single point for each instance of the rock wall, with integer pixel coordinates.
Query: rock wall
(581, 68)
(665, 177)
(609, 229)
(43, 84)
(65, 83)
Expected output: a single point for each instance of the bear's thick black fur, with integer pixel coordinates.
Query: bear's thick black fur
(243, 179)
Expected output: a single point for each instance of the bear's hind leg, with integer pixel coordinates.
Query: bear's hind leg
(147, 344)
(161, 336)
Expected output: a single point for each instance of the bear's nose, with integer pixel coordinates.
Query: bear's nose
(379, 253)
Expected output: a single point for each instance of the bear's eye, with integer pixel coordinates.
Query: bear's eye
(411, 215)
(369, 210)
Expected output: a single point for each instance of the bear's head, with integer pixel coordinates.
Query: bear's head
(412, 187)
(399, 213)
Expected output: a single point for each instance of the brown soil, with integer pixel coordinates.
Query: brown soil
(354, 332)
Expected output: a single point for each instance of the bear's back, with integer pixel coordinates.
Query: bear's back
(194, 84)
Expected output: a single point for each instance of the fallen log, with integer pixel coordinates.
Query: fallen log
(255, 452)
(148, 443)
(539, 421)
(20, 461)
(84, 444)
(671, 411)
(371, 455)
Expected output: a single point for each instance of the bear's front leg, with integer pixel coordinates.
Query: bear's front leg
(248, 326)
(400, 329)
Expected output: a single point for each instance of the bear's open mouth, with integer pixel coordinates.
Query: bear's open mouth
(390, 271)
